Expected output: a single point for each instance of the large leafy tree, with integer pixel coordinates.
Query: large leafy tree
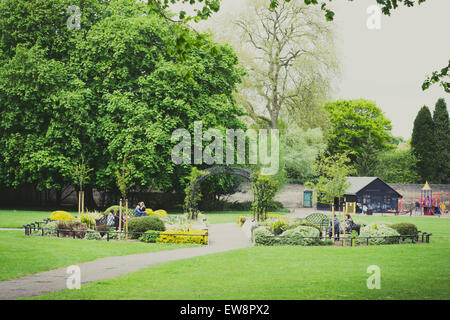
(441, 149)
(423, 143)
(107, 90)
(354, 123)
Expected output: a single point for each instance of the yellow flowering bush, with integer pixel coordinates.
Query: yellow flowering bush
(193, 236)
(61, 216)
(160, 212)
(241, 220)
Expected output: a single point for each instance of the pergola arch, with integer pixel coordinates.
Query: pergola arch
(209, 172)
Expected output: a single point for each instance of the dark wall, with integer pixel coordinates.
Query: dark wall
(378, 196)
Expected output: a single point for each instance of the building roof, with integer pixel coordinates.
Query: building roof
(358, 183)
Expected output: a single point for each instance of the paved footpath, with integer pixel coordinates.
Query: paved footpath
(222, 237)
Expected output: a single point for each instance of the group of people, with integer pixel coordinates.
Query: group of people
(113, 217)
(349, 226)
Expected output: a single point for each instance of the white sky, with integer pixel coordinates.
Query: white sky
(386, 65)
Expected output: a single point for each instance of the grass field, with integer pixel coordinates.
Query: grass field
(408, 271)
(22, 255)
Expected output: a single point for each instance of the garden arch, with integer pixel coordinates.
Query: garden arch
(193, 192)
(264, 189)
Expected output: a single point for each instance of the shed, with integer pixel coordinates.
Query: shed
(371, 191)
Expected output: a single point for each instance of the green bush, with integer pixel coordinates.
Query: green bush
(50, 228)
(277, 225)
(302, 235)
(93, 236)
(262, 236)
(150, 236)
(116, 209)
(390, 236)
(143, 224)
(405, 229)
(304, 223)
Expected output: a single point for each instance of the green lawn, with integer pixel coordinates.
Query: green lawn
(18, 218)
(22, 255)
(408, 271)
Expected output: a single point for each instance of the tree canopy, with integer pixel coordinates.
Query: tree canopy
(354, 122)
(104, 91)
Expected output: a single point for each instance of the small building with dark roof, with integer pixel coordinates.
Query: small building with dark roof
(373, 192)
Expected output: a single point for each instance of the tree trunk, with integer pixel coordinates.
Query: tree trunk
(89, 198)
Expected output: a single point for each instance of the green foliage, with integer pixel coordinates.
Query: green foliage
(143, 224)
(294, 224)
(116, 209)
(193, 194)
(405, 229)
(264, 189)
(354, 122)
(422, 144)
(332, 182)
(93, 236)
(367, 160)
(442, 77)
(80, 173)
(300, 150)
(277, 225)
(89, 218)
(150, 236)
(301, 235)
(441, 150)
(396, 166)
(50, 228)
(262, 236)
(386, 235)
(104, 91)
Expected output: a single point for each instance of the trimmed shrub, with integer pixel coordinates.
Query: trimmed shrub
(406, 229)
(150, 236)
(304, 223)
(389, 235)
(72, 228)
(60, 216)
(262, 236)
(116, 209)
(241, 220)
(193, 236)
(93, 236)
(143, 224)
(50, 228)
(161, 213)
(301, 235)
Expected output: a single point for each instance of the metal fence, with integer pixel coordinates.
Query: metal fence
(36, 226)
(421, 237)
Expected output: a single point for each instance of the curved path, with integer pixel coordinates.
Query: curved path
(222, 237)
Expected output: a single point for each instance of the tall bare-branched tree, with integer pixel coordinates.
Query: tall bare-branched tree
(289, 59)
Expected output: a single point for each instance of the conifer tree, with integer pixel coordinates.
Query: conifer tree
(442, 143)
(423, 143)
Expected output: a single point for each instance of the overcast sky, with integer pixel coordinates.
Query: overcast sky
(386, 65)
